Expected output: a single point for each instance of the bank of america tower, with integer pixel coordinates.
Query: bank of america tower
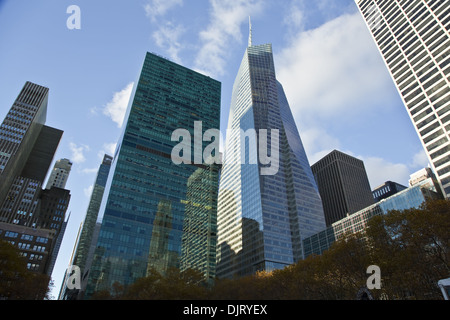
(268, 198)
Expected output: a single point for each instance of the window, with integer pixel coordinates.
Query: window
(10, 234)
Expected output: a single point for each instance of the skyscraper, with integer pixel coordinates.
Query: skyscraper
(85, 245)
(146, 200)
(343, 185)
(267, 203)
(89, 224)
(198, 245)
(27, 148)
(31, 218)
(413, 38)
(60, 174)
(19, 132)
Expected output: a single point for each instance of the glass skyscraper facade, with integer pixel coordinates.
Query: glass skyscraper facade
(147, 197)
(265, 207)
(414, 40)
(85, 245)
(199, 239)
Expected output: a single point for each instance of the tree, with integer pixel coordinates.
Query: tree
(16, 281)
(173, 285)
(412, 249)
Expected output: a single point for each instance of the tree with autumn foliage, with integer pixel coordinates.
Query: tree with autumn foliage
(411, 248)
(16, 281)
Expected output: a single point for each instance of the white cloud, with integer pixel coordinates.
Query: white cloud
(295, 18)
(108, 148)
(225, 21)
(168, 34)
(78, 152)
(158, 8)
(117, 107)
(420, 160)
(89, 170)
(88, 191)
(168, 37)
(334, 70)
(318, 143)
(379, 171)
(333, 76)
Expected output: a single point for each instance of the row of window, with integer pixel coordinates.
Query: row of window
(27, 237)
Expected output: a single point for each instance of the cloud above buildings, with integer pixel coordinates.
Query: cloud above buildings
(334, 77)
(78, 152)
(330, 68)
(226, 18)
(169, 32)
(380, 170)
(117, 107)
(334, 69)
(157, 8)
(107, 148)
(168, 37)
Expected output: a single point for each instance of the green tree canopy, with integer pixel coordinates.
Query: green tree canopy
(16, 281)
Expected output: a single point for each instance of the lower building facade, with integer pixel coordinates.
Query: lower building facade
(412, 197)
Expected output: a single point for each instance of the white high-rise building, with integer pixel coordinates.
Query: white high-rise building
(414, 40)
(60, 174)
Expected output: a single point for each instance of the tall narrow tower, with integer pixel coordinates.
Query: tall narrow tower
(60, 174)
(414, 40)
(267, 203)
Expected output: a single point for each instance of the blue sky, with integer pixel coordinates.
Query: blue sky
(339, 89)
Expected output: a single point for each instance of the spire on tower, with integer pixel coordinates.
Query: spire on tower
(250, 32)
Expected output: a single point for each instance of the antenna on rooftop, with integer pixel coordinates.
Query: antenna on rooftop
(250, 32)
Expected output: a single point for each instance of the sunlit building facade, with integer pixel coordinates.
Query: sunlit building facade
(19, 132)
(414, 40)
(265, 207)
(199, 239)
(60, 174)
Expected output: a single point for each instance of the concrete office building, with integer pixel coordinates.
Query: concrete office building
(31, 218)
(60, 174)
(343, 185)
(414, 40)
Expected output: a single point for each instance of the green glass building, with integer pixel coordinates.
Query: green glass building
(147, 196)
